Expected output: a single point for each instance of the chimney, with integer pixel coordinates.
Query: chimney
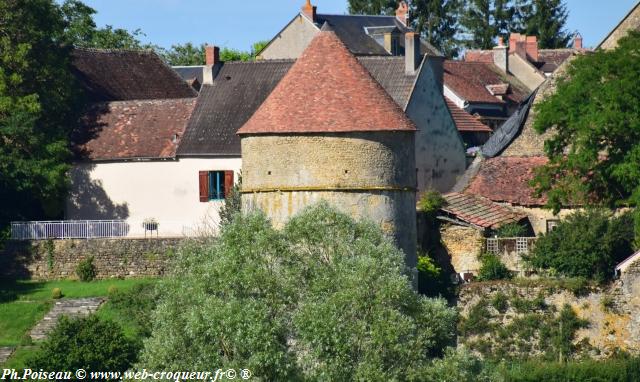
(402, 13)
(577, 41)
(309, 10)
(411, 52)
(501, 56)
(517, 44)
(532, 47)
(211, 55)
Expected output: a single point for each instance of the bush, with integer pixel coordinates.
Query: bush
(137, 304)
(492, 268)
(500, 302)
(458, 366)
(612, 370)
(586, 244)
(85, 270)
(432, 281)
(88, 343)
(431, 202)
(325, 299)
(512, 230)
(56, 293)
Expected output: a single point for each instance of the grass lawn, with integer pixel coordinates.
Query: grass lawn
(24, 303)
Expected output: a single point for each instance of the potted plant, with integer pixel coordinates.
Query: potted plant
(150, 224)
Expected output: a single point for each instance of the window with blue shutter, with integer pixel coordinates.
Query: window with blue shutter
(216, 185)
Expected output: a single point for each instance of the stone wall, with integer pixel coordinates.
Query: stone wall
(612, 312)
(463, 244)
(631, 22)
(291, 41)
(58, 259)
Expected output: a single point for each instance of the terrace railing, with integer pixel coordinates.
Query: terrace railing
(69, 229)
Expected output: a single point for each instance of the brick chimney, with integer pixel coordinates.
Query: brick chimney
(501, 56)
(309, 10)
(577, 41)
(411, 52)
(211, 55)
(518, 45)
(532, 47)
(402, 13)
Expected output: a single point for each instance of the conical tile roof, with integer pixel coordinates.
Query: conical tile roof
(327, 90)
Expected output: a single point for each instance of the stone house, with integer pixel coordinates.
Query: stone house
(329, 131)
(128, 163)
(408, 68)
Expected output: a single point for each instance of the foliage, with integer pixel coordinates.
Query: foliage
(512, 230)
(135, 306)
(547, 22)
(459, 366)
(372, 7)
(189, 54)
(478, 24)
(232, 203)
(56, 293)
(586, 244)
(85, 270)
(326, 298)
(431, 202)
(594, 153)
(81, 30)
(500, 302)
(88, 343)
(437, 22)
(611, 370)
(492, 268)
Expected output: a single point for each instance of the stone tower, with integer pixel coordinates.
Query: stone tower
(330, 132)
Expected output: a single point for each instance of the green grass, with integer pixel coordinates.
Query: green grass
(24, 303)
(18, 359)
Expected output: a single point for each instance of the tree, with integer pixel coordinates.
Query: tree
(594, 152)
(81, 30)
(372, 7)
(189, 54)
(547, 21)
(437, 21)
(326, 298)
(478, 24)
(85, 343)
(39, 105)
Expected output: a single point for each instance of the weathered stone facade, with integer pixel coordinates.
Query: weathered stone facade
(613, 312)
(464, 245)
(58, 259)
(367, 175)
(291, 41)
(630, 22)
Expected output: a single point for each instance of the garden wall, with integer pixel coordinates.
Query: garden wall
(513, 317)
(58, 259)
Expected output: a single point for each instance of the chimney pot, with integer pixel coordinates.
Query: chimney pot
(402, 13)
(412, 52)
(532, 47)
(309, 10)
(577, 41)
(501, 56)
(212, 54)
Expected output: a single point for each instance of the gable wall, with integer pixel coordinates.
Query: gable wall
(632, 22)
(292, 41)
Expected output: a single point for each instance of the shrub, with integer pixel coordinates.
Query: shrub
(325, 299)
(586, 244)
(431, 202)
(491, 268)
(88, 343)
(137, 304)
(458, 366)
(56, 293)
(112, 290)
(432, 281)
(500, 302)
(85, 270)
(512, 230)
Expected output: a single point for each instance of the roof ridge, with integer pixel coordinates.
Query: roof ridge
(119, 50)
(346, 15)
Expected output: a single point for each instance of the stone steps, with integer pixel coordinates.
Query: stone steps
(79, 307)
(5, 353)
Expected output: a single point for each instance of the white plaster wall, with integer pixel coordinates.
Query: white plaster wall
(165, 190)
(440, 153)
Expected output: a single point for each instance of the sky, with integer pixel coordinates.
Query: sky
(239, 23)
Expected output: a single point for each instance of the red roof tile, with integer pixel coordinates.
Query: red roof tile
(133, 129)
(465, 121)
(327, 90)
(506, 179)
(469, 80)
(480, 211)
(485, 56)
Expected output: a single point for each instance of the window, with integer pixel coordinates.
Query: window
(214, 185)
(552, 224)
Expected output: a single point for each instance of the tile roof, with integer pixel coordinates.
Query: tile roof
(120, 75)
(480, 211)
(485, 56)
(465, 121)
(327, 90)
(506, 179)
(548, 59)
(390, 72)
(352, 30)
(469, 80)
(133, 129)
(223, 107)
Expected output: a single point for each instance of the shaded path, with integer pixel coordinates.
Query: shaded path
(79, 307)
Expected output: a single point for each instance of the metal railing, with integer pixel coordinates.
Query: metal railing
(69, 229)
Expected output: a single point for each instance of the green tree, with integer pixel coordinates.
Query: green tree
(85, 343)
(39, 105)
(81, 30)
(547, 21)
(594, 151)
(372, 7)
(492, 268)
(437, 21)
(183, 54)
(477, 22)
(325, 299)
